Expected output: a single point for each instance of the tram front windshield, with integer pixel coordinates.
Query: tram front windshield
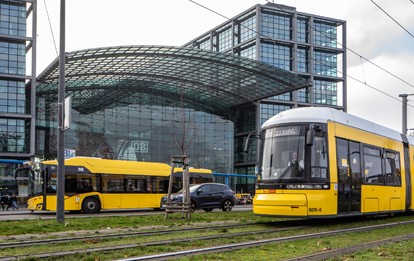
(283, 154)
(284, 160)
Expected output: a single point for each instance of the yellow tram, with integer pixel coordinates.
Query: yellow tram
(92, 184)
(320, 162)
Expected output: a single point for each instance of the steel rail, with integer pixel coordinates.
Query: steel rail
(153, 243)
(351, 249)
(237, 246)
(215, 249)
(16, 244)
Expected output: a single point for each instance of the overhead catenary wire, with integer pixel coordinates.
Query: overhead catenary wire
(347, 75)
(357, 54)
(363, 72)
(51, 29)
(392, 18)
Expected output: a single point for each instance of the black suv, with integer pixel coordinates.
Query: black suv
(207, 196)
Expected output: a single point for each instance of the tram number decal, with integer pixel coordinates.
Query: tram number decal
(315, 209)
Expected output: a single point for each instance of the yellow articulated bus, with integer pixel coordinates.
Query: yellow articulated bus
(94, 184)
(321, 162)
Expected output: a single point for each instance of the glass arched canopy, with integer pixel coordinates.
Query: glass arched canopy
(206, 81)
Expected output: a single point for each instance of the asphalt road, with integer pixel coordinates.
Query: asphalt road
(23, 214)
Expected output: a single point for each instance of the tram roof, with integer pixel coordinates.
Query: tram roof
(208, 81)
(325, 114)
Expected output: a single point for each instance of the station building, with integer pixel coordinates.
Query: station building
(147, 103)
(17, 85)
(307, 45)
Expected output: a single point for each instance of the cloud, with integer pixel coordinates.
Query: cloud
(370, 104)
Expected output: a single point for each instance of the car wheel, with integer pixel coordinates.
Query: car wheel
(193, 206)
(91, 205)
(227, 205)
(207, 209)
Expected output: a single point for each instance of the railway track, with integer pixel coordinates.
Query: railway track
(282, 226)
(233, 247)
(24, 243)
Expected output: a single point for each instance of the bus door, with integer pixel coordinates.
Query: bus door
(349, 176)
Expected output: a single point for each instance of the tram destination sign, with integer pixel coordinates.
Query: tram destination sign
(283, 131)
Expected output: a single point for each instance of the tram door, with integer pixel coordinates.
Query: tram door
(349, 176)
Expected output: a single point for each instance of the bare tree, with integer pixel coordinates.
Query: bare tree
(183, 139)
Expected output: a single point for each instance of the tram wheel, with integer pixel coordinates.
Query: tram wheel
(91, 205)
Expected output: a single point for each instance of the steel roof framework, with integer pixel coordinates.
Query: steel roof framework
(207, 81)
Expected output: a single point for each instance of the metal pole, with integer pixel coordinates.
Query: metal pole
(33, 84)
(60, 203)
(404, 113)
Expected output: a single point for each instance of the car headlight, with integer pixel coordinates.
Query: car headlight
(176, 198)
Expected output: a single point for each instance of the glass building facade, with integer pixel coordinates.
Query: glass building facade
(144, 127)
(305, 44)
(16, 77)
(141, 133)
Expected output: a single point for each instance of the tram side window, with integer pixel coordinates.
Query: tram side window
(372, 166)
(392, 169)
(319, 159)
(342, 158)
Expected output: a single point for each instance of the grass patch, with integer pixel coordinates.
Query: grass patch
(44, 226)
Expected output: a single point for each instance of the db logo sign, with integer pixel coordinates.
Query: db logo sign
(140, 146)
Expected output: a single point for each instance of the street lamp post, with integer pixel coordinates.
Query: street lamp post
(404, 112)
(60, 192)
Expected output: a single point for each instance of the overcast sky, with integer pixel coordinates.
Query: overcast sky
(370, 33)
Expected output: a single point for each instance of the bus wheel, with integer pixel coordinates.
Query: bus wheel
(91, 205)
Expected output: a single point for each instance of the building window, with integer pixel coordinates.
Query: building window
(12, 58)
(303, 95)
(269, 110)
(12, 96)
(325, 92)
(276, 55)
(282, 97)
(325, 64)
(205, 44)
(247, 29)
(325, 34)
(275, 26)
(12, 20)
(12, 135)
(302, 30)
(302, 60)
(240, 155)
(249, 52)
(225, 40)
